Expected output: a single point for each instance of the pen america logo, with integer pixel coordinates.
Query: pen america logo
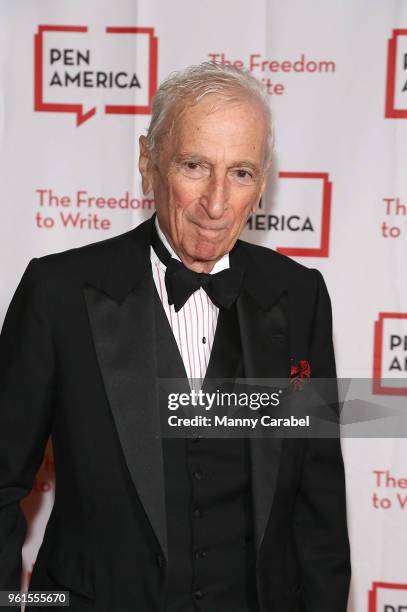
(388, 597)
(396, 81)
(390, 354)
(303, 230)
(82, 71)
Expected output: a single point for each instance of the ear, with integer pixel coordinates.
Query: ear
(145, 166)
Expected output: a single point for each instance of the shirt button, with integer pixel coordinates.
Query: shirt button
(197, 513)
(160, 560)
(198, 594)
(198, 475)
(200, 553)
(204, 340)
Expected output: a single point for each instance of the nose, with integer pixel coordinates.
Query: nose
(215, 197)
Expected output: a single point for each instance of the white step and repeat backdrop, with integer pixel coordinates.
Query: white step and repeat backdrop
(76, 81)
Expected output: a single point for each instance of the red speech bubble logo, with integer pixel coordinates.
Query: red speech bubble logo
(83, 115)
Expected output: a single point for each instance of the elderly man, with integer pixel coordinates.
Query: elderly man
(146, 523)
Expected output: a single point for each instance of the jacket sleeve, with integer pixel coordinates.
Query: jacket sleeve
(26, 394)
(320, 525)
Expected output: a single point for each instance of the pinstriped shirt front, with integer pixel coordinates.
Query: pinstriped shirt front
(194, 325)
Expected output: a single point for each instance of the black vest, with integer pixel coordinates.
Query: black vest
(211, 565)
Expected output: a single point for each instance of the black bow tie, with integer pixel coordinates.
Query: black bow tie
(223, 288)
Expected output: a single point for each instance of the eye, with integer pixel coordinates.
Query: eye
(194, 169)
(243, 176)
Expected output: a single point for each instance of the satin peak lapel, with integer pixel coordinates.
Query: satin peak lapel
(124, 338)
(263, 323)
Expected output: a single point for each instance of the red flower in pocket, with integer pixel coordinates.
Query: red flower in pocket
(300, 372)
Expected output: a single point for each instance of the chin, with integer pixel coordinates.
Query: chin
(207, 252)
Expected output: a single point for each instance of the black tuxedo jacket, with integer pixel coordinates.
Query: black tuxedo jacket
(77, 361)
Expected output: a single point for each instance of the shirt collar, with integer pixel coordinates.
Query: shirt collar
(221, 264)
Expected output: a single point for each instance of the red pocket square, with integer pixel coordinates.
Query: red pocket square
(300, 372)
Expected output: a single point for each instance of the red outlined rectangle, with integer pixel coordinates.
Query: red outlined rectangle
(323, 249)
(390, 111)
(120, 109)
(378, 388)
(81, 115)
(373, 593)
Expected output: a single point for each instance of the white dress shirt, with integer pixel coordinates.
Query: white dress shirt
(194, 325)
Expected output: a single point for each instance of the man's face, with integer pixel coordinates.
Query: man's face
(208, 178)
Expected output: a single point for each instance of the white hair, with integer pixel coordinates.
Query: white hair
(194, 83)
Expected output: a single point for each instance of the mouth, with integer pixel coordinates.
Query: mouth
(210, 235)
(210, 229)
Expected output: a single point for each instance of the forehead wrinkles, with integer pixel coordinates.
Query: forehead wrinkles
(209, 104)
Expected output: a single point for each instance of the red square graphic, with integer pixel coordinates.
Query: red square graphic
(374, 592)
(378, 388)
(323, 249)
(390, 111)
